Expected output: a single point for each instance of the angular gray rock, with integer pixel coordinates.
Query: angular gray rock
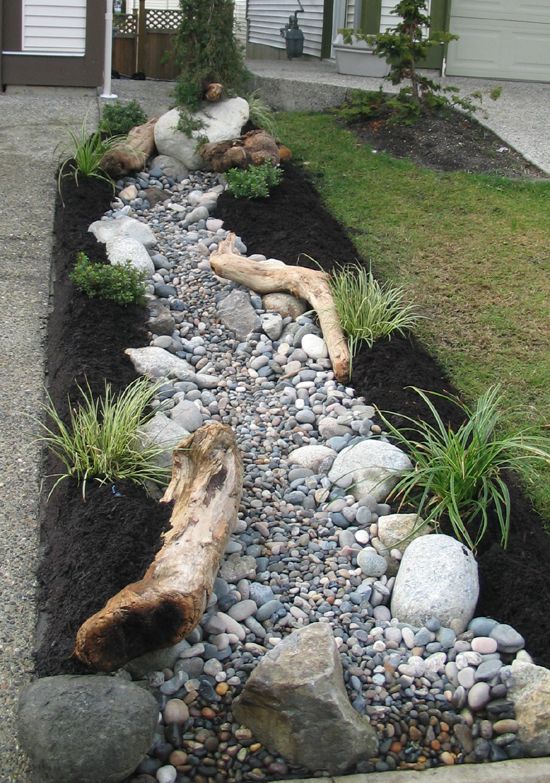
(296, 704)
(285, 305)
(162, 322)
(373, 465)
(530, 692)
(437, 578)
(157, 660)
(237, 313)
(125, 226)
(157, 362)
(220, 121)
(120, 250)
(272, 324)
(85, 729)
(162, 431)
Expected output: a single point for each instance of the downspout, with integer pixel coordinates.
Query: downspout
(107, 63)
(1, 42)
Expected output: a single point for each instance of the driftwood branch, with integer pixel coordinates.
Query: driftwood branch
(308, 284)
(165, 606)
(132, 153)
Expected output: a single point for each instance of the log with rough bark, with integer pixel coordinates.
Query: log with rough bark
(165, 606)
(131, 154)
(308, 284)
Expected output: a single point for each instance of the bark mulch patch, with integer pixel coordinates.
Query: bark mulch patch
(89, 549)
(449, 141)
(515, 588)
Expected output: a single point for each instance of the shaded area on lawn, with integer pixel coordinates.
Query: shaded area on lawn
(89, 550)
(514, 584)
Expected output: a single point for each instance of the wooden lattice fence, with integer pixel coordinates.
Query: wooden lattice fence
(144, 42)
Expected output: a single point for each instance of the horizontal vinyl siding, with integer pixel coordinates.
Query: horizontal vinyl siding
(350, 14)
(266, 17)
(240, 20)
(388, 19)
(58, 27)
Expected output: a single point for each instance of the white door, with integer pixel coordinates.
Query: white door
(500, 39)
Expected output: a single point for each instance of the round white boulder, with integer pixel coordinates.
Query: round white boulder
(437, 578)
(373, 465)
(220, 122)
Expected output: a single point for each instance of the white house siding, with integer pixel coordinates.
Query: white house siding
(388, 19)
(266, 17)
(54, 27)
(240, 20)
(352, 15)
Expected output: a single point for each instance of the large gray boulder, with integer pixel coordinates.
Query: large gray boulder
(220, 122)
(124, 226)
(237, 314)
(530, 692)
(437, 578)
(85, 729)
(370, 467)
(285, 305)
(295, 703)
(121, 250)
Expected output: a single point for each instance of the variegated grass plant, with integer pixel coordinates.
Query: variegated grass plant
(458, 475)
(369, 310)
(100, 440)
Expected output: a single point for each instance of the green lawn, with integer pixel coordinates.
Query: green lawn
(473, 252)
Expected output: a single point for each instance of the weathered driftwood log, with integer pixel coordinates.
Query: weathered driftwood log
(169, 601)
(308, 284)
(254, 148)
(132, 153)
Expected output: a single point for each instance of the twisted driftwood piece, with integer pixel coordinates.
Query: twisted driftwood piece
(165, 606)
(308, 284)
(133, 153)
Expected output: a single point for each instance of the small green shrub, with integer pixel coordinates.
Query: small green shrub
(361, 105)
(121, 284)
(254, 182)
(101, 439)
(119, 118)
(369, 310)
(457, 476)
(260, 114)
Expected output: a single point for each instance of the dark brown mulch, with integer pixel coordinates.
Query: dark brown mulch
(515, 587)
(89, 550)
(448, 141)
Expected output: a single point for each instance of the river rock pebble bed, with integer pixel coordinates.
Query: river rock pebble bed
(311, 544)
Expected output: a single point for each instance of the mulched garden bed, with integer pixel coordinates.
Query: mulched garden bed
(93, 549)
(109, 540)
(449, 141)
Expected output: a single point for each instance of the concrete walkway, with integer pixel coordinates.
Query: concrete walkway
(33, 123)
(521, 116)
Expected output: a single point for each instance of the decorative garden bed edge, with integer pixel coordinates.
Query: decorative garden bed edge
(535, 770)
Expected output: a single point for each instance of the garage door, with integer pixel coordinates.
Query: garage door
(500, 39)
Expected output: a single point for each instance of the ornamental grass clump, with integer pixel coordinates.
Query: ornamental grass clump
(100, 441)
(84, 157)
(458, 475)
(369, 310)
